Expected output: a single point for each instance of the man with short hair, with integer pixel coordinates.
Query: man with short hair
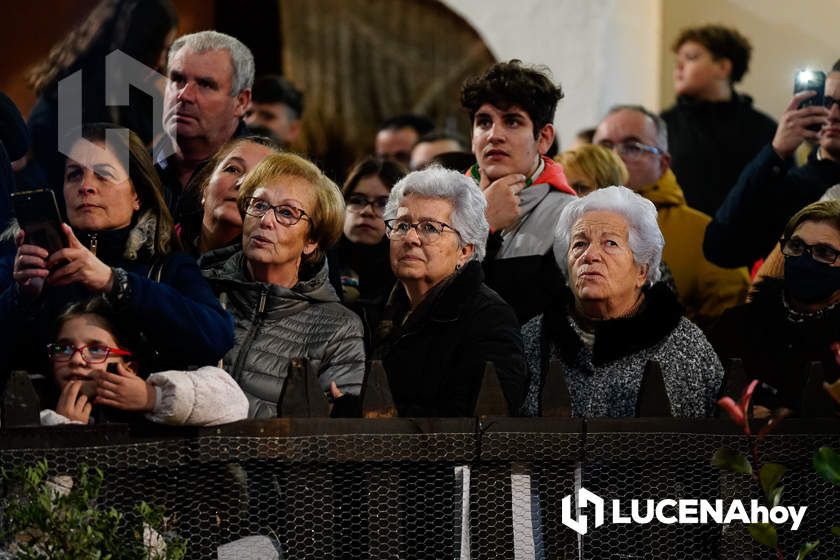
(431, 145)
(641, 140)
(772, 188)
(207, 91)
(277, 105)
(398, 135)
(512, 110)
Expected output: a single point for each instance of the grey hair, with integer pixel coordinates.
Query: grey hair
(645, 238)
(658, 122)
(241, 58)
(467, 200)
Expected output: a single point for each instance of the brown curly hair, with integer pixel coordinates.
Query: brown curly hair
(722, 42)
(511, 83)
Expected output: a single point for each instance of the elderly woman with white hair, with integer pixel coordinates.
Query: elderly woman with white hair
(442, 323)
(615, 317)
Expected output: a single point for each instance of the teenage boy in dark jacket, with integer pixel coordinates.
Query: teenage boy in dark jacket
(713, 131)
(512, 109)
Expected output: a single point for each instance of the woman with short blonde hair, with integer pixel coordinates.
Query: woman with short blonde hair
(276, 285)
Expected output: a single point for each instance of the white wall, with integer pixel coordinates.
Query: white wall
(602, 52)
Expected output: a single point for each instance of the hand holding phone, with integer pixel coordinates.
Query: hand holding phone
(30, 268)
(38, 216)
(37, 213)
(804, 115)
(811, 80)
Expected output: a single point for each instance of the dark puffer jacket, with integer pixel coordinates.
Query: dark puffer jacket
(273, 325)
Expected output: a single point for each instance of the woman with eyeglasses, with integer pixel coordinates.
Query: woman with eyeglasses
(218, 223)
(120, 242)
(97, 358)
(442, 324)
(276, 287)
(791, 321)
(361, 255)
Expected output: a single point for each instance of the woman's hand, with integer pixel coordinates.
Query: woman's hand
(80, 265)
(30, 267)
(335, 391)
(72, 404)
(125, 391)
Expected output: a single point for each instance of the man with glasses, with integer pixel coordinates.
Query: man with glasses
(640, 138)
(772, 188)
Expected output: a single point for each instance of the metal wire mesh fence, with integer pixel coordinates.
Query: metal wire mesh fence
(459, 488)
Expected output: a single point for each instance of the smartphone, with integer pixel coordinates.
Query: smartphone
(811, 80)
(38, 216)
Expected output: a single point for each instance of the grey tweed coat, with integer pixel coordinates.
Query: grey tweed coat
(604, 379)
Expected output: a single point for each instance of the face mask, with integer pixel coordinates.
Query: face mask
(810, 281)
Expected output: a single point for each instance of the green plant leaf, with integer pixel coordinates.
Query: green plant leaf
(827, 464)
(774, 498)
(770, 475)
(731, 460)
(835, 531)
(764, 533)
(806, 548)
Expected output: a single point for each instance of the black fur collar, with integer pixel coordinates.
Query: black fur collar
(615, 338)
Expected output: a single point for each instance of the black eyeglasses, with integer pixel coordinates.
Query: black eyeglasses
(795, 247)
(429, 231)
(630, 150)
(358, 202)
(830, 102)
(285, 214)
(91, 353)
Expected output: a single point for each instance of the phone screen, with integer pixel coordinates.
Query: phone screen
(38, 216)
(810, 80)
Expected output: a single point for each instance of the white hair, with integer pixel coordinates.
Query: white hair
(241, 58)
(468, 202)
(643, 234)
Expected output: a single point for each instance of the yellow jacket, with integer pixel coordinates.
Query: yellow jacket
(705, 290)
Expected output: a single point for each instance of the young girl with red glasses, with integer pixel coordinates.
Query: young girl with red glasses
(97, 368)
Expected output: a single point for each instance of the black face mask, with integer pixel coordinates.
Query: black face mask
(810, 281)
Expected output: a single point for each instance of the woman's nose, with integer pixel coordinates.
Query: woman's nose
(268, 220)
(87, 184)
(592, 253)
(413, 237)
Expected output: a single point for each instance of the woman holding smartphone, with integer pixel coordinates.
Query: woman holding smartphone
(120, 243)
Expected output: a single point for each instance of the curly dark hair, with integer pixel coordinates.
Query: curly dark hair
(722, 42)
(506, 84)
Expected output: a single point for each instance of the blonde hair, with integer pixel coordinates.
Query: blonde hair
(327, 218)
(603, 166)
